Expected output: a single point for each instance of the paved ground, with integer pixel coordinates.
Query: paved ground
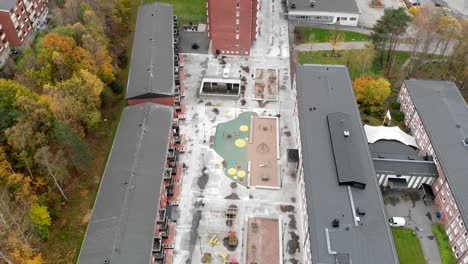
(420, 216)
(370, 15)
(188, 38)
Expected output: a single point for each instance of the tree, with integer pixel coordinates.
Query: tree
(336, 38)
(449, 30)
(72, 145)
(54, 165)
(377, 91)
(41, 220)
(387, 31)
(370, 91)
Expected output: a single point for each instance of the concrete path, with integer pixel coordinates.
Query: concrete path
(420, 217)
(358, 45)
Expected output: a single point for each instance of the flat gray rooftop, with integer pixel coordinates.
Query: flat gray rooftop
(321, 90)
(7, 5)
(122, 225)
(395, 158)
(345, 6)
(444, 113)
(152, 63)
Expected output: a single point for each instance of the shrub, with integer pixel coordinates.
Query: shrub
(117, 87)
(395, 105)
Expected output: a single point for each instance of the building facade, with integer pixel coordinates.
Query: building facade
(4, 47)
(232, 25)
(437, 115)
(323, 12)
(20, 18)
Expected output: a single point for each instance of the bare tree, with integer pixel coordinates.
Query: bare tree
(54, 165)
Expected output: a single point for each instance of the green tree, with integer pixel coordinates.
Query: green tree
(72, 145)
(387, 31)
(41, 220)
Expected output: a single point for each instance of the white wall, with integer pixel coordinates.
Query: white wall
(347, 22)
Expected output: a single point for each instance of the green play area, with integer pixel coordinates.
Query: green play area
(231, 140)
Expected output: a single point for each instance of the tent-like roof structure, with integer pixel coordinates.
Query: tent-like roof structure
(376, 133)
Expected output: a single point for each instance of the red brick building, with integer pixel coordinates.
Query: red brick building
(232, 25)
(4, 47)
(437, 115)
(19, 19)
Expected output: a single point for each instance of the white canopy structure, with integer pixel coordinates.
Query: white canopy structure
(376, 133)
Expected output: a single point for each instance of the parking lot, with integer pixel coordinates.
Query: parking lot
(419, 216)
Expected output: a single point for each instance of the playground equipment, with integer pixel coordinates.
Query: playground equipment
(233, 240)
(206, 258)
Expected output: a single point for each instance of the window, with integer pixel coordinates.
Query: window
(352, 18)
(455, 230)
(237, 36)
(459, 216)
(462, 248)
(237, 43)
(237, 13)
(237, 28)
(344, 18)
(237, 21)
(237, 5)
(465, 234)
(443, 199)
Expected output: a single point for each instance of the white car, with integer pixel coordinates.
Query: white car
(397, 221)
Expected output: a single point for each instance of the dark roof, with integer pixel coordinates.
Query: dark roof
(321, 90)
(122, 225)
(444, 114)
(395, 158)
(348, 166)
(345, 6)
(152, 63)
(7, 5)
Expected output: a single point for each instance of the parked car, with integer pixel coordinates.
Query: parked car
(397, 221)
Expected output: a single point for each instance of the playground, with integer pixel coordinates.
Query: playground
(263, 153)
(231, 140)
(263, 241)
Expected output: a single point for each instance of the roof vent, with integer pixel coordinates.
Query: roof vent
(312, 3)
(465, 142)
(293, 6)
(335, 223)
(346, 133)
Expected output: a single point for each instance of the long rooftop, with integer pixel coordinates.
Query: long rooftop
(152, 63)
(345, 6)
(323, 91)
(122, 225)
(444, 114)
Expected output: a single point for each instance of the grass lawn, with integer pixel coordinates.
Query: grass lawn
(321, 57)
(444, 246)
(302, 35)
(408, 246)
(187, 10)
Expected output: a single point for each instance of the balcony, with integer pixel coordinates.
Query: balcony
(175, 123)
(161, 216)
(3, 36)
(157, 244)
(16, 24)
(13, 17)
(167, 174)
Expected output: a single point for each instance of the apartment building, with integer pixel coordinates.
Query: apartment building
(437, 115)
(20, 18)
(341, 12)
(232, 26)
(155, 75)
(4, 47)
(129, 223)
(342, 209)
